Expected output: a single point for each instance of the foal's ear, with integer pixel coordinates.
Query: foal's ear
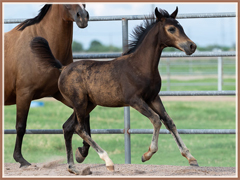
(159, 16)
(174, 14)
(84, 5)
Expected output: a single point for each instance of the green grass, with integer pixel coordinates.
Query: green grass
(196, 66)
(209, 150)
(195, 85)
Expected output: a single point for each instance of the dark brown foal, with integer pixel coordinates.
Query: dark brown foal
(130, 80)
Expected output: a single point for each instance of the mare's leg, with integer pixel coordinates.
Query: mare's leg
(168, 122)
(23, 100)
(141, 106)
(81, 152)
(68, 130)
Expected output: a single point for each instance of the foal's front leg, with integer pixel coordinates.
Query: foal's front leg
(141, 106)
(158, 107)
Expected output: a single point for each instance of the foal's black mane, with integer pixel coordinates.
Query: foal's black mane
(140, 31)
(36, 19)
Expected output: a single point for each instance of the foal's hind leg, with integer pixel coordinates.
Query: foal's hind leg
(23, 103)
(81, 131)
(143, 108)
(81, 152)
(168, 122)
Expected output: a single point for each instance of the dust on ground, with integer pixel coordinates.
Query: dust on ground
(56, 168)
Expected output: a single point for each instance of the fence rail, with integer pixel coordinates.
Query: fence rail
(164, 54)
(140, 17)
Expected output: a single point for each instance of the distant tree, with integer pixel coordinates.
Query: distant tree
(97, 46)
(77, 46)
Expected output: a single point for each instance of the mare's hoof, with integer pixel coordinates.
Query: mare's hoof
(72, 169)
(193, 163)
(25, 165)
(78, 155)
(110, 168)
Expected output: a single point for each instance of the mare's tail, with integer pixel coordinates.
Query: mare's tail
(41, 48)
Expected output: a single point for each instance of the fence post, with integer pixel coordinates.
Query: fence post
(127, 141)
(220, 73)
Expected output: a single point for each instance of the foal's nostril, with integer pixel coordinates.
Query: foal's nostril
(191, 46)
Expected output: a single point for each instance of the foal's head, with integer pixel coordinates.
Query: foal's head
(172, 33)
(77, 13)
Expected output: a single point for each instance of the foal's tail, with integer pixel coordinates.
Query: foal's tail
(41, 48)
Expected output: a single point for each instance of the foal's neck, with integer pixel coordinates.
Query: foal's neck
(147, 55)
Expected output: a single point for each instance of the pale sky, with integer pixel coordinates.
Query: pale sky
(205, 31)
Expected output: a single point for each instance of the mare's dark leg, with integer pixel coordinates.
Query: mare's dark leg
(168, 122)
(68, 130)
(81, 152)
(141, 106)
(23, 101)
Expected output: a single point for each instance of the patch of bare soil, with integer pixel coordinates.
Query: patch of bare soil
(55, 168)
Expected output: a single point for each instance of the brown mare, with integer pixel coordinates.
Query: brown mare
(24, 79)
(130, 80)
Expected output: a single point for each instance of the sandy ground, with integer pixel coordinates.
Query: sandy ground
(56, 168)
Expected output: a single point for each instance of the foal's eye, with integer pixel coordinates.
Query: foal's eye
(171, 30)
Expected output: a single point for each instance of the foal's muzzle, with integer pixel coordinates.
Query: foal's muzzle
(188, 47)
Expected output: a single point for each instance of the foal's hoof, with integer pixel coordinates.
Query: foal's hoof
(78, 155)
(143, 159)
(193, 163)
(110, 168)
(146, 157)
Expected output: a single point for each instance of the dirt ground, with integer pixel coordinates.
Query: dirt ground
(56, 168)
